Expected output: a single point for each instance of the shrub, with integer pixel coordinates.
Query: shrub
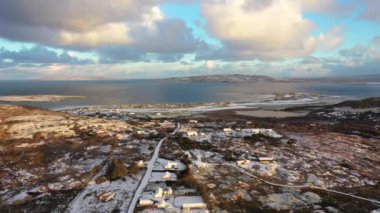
(101, 179)
(162, 133)
(116, 170)
(134, 168)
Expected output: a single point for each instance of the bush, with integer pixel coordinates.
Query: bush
(134, 168)
(116, 170)
(162, 133)
(101, 179)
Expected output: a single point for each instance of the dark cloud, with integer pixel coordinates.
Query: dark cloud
(356, 52)
(74, 23)
(73, 15)
(39, 55)
(170, 36)
(168, 41)
(372, 10)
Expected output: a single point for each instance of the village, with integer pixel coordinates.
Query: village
(138, 161)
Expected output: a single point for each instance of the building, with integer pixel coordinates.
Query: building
(145, 202)
(189, 202)
(162, 205)
(265, 160)
(141, 132)
(159, 193)
(140, 164)
(168, 191)
(193, 121)
(200, 164)
(192, 133)
(189, 206)
(171, 165)
(227, 130)
(243, 162)
(166, 176)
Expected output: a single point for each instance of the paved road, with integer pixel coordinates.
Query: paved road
(145, 179)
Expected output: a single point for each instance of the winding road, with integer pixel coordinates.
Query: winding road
(145, 179)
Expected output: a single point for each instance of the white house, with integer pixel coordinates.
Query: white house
(166, 176)
(145, 202)
(140, 164)
(265, 160)
(106, 196)
(200, 164)
(141, 132)
(171, 165)
(162, 205)
(243, 162)
(227, 130)
(189, 202)
(159, 193)
(191, 133)
(168, 191)
(188, 206)
(193, 121)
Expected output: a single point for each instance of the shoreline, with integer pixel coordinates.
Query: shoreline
(205, 107)
(38, 98)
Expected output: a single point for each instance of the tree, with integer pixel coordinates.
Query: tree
(116, 170)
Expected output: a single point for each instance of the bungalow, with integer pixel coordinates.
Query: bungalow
(162, 205)
(227, 130)
(141, 132)
(145, 202)
(191, 133)
(168, 191)
(101, 133)
(171, 165)
(189, 202)
(188, 206)
(159, 193)
(265, 160)
(243, 162)
(140, 164)
(106, 196)
(166, 176)
(200, 164)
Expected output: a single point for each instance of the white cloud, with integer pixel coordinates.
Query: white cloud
(265, 30)
(211, 65)
(111, 33)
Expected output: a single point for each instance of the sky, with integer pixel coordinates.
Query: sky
(132, 39)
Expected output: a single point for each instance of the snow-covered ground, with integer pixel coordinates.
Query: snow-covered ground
(122, 191)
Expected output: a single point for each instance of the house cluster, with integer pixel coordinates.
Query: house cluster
(262, 165)
(252, 131)
(195, 135)
(158, 194)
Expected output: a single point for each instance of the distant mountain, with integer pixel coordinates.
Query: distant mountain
(239, 78)
(234, 78)
(72, 78)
